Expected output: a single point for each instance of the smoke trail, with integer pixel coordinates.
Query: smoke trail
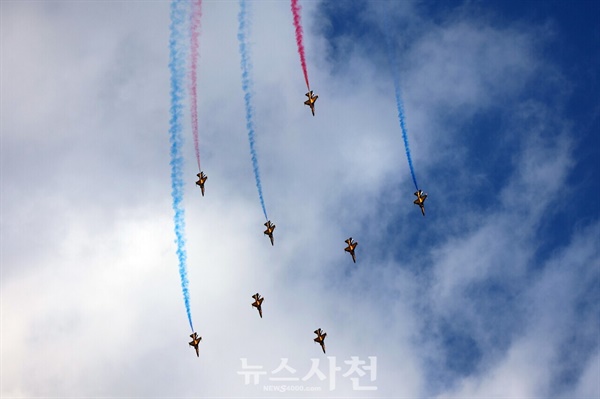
(299, 38)
(195, 24)
(247, 87)
(176, 67)
(399, 103)
(400, 107)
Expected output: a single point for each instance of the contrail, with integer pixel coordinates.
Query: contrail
(176, 67)
(247, 87)
(300, 39)
(195, 25)
(399, 103)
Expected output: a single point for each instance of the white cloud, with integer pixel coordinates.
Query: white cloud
(589, 386)
(528, 367)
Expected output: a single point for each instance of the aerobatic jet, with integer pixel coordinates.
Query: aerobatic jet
(320, 338)
(311, 101)
(421, 197)
(195, 341)
(258, 303)
(202, 179)
(269, 230)
(350, 248)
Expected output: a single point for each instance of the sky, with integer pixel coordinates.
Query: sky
(495, 293)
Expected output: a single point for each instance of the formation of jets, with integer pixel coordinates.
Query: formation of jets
(320, 338)
(421, 197)
(195, 341)
(201, 180)
(312, 98)
(269, 230)
(350, 248)
(258, 300)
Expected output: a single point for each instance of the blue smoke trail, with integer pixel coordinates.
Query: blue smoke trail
(400, 107)
(247, 87)
(176, 67)
(399, 103)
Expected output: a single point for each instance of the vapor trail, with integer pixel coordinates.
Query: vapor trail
(247, 87)
(300, 39)
(399, 104)
(176, 67)
(194, 33)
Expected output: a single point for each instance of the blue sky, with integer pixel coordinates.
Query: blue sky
(570, 51)
(495, 293)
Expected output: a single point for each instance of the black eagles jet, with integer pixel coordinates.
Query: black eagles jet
(258, 303)
(421, 197)
(312, 98)
(195, 341)
(350, 248)
(320, 338)
(269, 230)
(202, 179)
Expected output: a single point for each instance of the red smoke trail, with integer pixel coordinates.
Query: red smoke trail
(195, 25)
(299, 39)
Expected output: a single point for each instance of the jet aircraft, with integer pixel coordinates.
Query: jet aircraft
(269, 230)
(320, 338)
(195, 341)
(311, 101)
(258, 303)
(350, 248)
(202, 179)
(421, 197)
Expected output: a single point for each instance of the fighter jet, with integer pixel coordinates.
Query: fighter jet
(311, 101)
(202, 179)
(320, 338)
(195, 341)
(421, 197)
(269, 230)
(350, 248)
(258, 303)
